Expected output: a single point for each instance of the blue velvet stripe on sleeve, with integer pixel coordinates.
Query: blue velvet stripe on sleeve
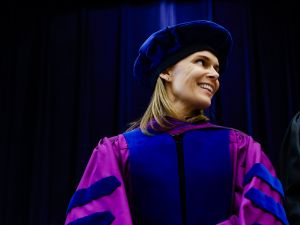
(259, 170)
(100, 218)
(266, 203)
(99, 189)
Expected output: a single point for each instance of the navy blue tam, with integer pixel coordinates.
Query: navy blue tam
(167, 46)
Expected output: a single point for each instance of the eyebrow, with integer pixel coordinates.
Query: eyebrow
(206, 58)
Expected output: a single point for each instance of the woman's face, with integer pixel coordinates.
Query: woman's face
(192, 82)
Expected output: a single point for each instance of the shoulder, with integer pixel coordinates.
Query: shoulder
(247, 150)
(114, 144)
(240, 137)
(236, 136)
(243, 144)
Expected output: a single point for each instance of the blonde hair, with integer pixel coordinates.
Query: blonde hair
(159, 109)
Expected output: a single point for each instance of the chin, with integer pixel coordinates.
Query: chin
(203, 106)
(203, 101)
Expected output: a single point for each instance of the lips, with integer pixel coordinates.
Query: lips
(207, 86)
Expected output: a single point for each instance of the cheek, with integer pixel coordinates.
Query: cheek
(176, 88)
(180, 86)
(183, 81)
(217, 86)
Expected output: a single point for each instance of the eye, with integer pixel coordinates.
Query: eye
(200, 62)
(217, 68)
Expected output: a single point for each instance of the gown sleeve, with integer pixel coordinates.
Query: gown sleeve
(257, 192)
(100, 197)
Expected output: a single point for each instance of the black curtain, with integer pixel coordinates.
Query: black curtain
(66, 82)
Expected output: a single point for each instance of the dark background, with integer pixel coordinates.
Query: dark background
(66, 81)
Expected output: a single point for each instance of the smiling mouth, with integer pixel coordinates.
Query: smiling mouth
(207, 87)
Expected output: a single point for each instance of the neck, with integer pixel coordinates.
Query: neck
(182, 112)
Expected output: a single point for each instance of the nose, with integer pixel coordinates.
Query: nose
(213, 73)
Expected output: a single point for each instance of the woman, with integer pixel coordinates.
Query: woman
(173, 166)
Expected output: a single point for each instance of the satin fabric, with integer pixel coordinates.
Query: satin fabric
(110, 158)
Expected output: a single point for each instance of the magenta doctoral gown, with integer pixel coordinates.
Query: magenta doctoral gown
(102, 196)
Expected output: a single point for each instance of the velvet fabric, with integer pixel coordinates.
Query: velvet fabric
(99, 218)
(259, 170)
(267, 203)
(66, 82)
(156, 177)
(112, 158)
(171, 44)
(100, 188)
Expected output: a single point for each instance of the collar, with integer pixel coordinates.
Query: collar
(180, 127)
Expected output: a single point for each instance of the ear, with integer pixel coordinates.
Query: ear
(165, 75)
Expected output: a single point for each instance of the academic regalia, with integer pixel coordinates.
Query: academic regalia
(191, 174)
